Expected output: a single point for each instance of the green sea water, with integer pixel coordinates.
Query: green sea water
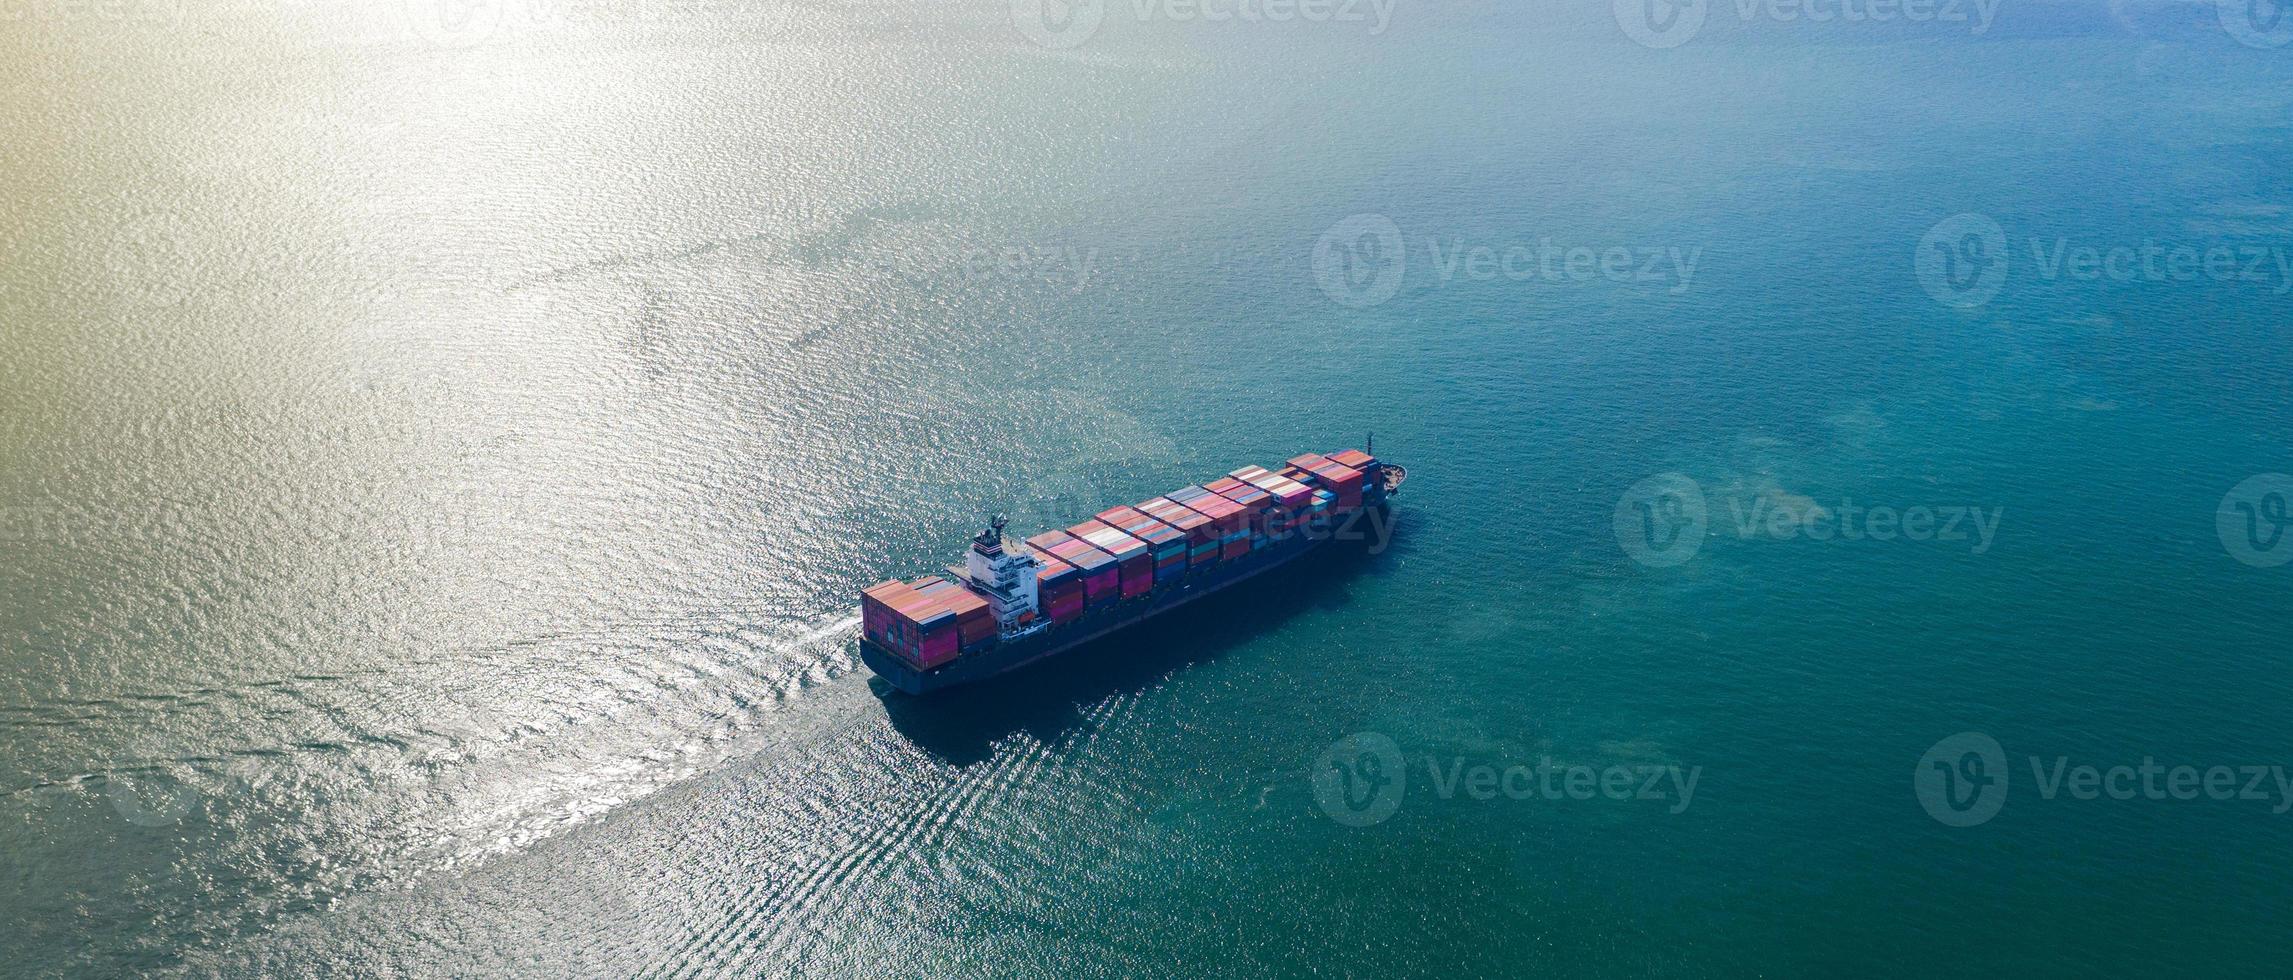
(440, 449)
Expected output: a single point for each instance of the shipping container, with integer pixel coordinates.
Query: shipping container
(1343, 481)
(1101, 576)
(1185, 520)
(1131, 555)
(1043, 542)
(1226, 515)
(1255, 504)
(1159, 536)
(1291, 493)
(898, 617)
(974, 618)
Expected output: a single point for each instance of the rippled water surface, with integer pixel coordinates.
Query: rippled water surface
(438, 458)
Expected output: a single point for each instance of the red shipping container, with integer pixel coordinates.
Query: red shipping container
(974, 618)
(1343, 481)
(1290, 492)
(1101, 576)
(1307, 461)
(1043, 542)
(1135, 561)
(1159, 536)
(1229, 517)
(1197, 528)
(937, 649)
(1110, 540)
(905, 621)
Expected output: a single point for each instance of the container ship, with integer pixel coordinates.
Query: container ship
(1012, 603)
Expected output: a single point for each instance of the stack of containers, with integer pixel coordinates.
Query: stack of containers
(1168, 545)
(1101, 581)
(1345, 482)
(1296, 497)
(974, 619)
(1231, 519)
(1132, 556)
(1354, 459)
(1322, 505)
(1258, 504)
(1058, 588)
(1201, 533)
(919, 628)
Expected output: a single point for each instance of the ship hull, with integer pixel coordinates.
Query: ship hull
(1200, 581)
